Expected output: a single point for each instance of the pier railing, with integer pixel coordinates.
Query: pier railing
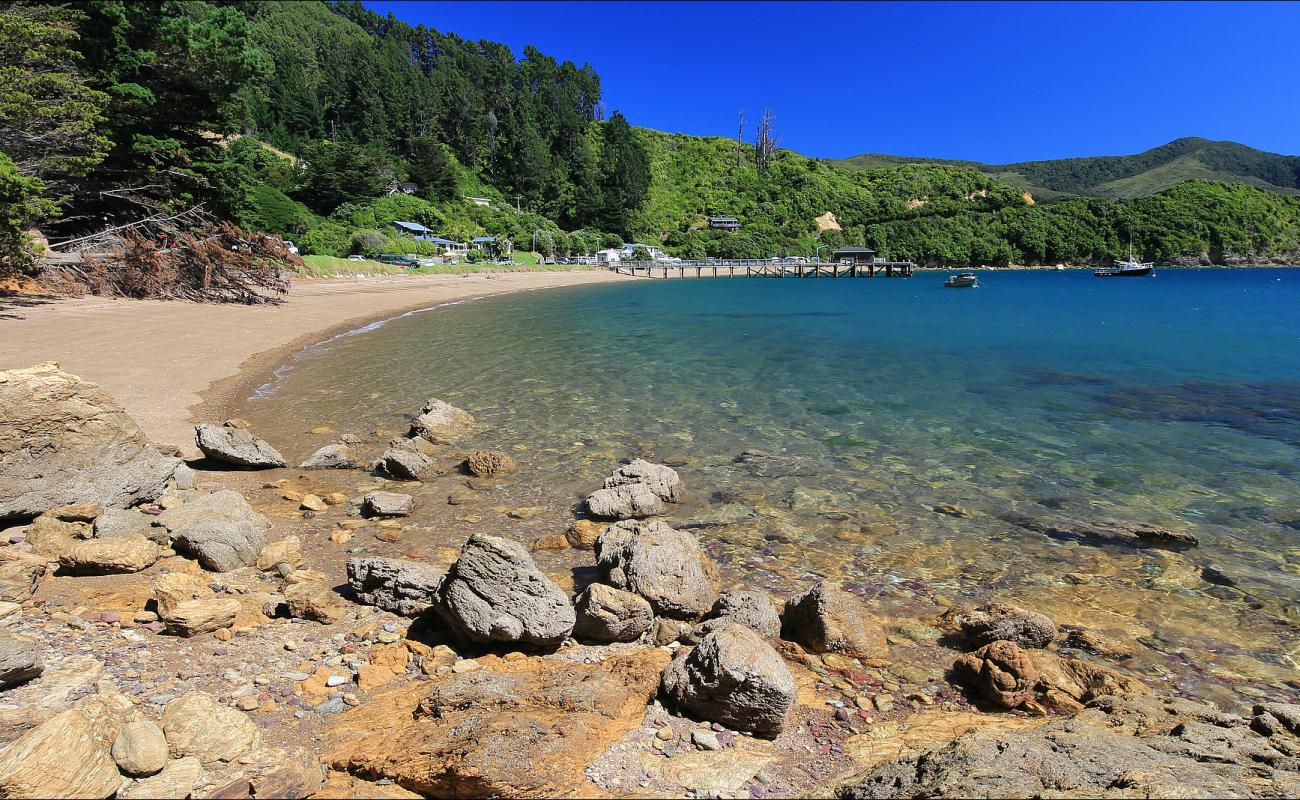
(760, 268)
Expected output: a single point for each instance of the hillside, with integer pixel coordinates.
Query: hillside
(1136, 175)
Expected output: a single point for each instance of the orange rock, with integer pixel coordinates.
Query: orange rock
(373, 676)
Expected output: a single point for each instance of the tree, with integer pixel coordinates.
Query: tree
(765, 141)
(624, 174)
(20, 203)
(431, 168)
(339, 172)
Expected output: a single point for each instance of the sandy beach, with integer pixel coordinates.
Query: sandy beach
(161, 359)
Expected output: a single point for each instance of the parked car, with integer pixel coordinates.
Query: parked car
(399, 260)
(356, 258)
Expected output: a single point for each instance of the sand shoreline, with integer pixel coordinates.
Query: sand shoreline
(167, 361)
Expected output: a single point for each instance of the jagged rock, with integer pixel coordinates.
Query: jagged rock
(20, 574)
(661, 480)
(185, 477)
(106, 556)
(64, 440)
(754, 610)
(1288, 714)
(236, 446)
(1128, 534)
(315, 601)
(1004, 622)
(1066, 684)
(331, 456)
(441, 422)
(605, 614)
(483, 463)
(734, 677)
(116, 522)
(286, 551)
(140, 749)
(402, 587)
(221, 530)
(1000, 672)
(188, 607)
(663, 565)
(178, 779)
(173, 588)
(68, 755)
(1116, 748)
(270, 772)
(388, 504)
(494, 592)
(527, 728)
(414, 445)
(827, 619)
(407, 465)
(196, 725)
(20, 661)
(625, 502)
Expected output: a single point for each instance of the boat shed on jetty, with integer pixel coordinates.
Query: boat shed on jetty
(857, 256)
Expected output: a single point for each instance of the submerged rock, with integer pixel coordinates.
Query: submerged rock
(407, 465)
(606, 614)
(1001, 621)
(1104, 532)
(827, 619)
(402, 587)
(331, 456)
(441, 422)
(734, 677)
(64, 440)
(484, 463)
(665, 566)
(494, 592)
(387, 504)
(236, 446)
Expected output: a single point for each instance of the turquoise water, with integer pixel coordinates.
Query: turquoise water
(1172, 401)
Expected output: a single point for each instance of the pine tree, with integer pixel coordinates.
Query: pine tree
(624, 174)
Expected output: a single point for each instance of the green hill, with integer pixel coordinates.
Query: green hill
(1137, 175)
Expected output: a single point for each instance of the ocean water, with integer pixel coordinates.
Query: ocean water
(1171, 401)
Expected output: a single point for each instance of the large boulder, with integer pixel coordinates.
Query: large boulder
(754, 610)
(402, 587)
(998, 621)
(20, 661)
(733, 677)
(69, 754)
(407, 465)
(636, 489)
(441, 422)
(187, 606)
(1001, 673)
(606, 614)
(827, 619)
(665, 566)
(197, 725)
(494, 592)
(660, 479)
(177, 779)
(236, 446)
(64, 440)
(118, 522)
(20, 574)
(107, 556)
(523, 728)
(140, 748)
(331, 456)
(221, 530)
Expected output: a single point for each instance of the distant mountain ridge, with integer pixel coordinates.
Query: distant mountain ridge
(1138, 175)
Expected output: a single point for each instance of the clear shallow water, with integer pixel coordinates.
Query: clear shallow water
(1173, 401)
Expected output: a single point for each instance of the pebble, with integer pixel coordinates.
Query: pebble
(335, 680)
(387, 637)
(665, 733)
(335, 705)
(464, 665)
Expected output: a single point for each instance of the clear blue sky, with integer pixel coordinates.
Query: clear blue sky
(992, 82)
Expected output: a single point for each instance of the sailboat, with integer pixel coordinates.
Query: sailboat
(1127, 269)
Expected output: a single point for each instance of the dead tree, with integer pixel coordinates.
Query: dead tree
(740, 138)
(765, 141)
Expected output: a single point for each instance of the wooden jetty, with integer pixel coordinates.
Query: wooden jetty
(758, 268)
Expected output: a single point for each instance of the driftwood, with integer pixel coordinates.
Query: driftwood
(182, 257)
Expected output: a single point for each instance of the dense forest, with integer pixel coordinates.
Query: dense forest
(325, 122)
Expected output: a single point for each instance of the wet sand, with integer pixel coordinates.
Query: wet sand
(162, 359)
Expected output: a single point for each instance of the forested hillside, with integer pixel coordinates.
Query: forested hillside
(306, 119)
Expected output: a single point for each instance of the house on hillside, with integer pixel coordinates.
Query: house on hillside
(628, 249)
(449, 247)
(491, 247)
(724, 224)
(414, 230)
(857, 256)
(480, 201)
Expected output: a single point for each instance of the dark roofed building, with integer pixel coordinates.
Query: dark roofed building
(855, 255)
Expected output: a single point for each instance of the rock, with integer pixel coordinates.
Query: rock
(268, 772)
(1000, 672)
(178, 779)
(185, 477)
(311, 502)
(483, 463)
(440, 422)
(77, 512)
(118, 522)
(388, 504)
(1286, 713)
(754, 610)
(769, 465)
(20, 574)
(733, 677)
(583, 533)
(407, 465)
(526, 728)
(663, 565)
(827, 619)
(107, 556)
(331, 456)
(1067, 684)
(402, 587)
(1128, 534)
(314, 601)
(140, 749)
(64, 440)
(494, 592)
(10, 613)
(666, 631)
(20, 661)
(661, 480)
(605, 614)
(555, 541)
(286, 551)
(68, 755)
(634, 501)
(194, 617)
(196, 725)
(173, 588)
(236, 446)
(1113, 749)
(1001, 621)
(221, 530)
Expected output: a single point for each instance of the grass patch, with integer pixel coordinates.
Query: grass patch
(331, 267)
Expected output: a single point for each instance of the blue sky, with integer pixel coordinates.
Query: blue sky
(992, 82)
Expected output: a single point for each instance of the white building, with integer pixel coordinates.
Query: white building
(655, 253)
(611, 256)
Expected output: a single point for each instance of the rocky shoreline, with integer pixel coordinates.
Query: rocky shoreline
(236, 627)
